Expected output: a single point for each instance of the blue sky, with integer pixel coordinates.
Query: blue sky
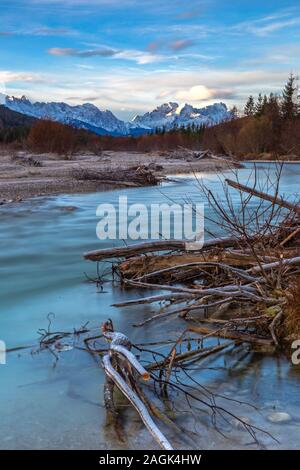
(129, 55)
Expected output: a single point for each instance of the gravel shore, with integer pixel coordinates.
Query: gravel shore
(24, 175)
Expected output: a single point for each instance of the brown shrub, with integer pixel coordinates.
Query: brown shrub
(256, 136)
(52, 137)
(223, 138)
(290, 138)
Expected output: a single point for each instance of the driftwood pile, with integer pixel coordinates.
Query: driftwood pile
(191, 155)
(241, 288)
(25, 160)
(141, 175)
(241, 285)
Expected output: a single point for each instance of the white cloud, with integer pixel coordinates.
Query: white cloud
(85, 66)
(7, 76)
(266, 29)
(139, 57)
(269, 24)
(194, 94)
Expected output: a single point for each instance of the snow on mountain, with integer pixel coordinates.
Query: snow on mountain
(170, 114)
(163, 115)
(83, 116)
(88, 116)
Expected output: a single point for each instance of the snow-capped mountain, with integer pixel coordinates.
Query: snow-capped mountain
(170, 115)
(83, 116)
(88, 116)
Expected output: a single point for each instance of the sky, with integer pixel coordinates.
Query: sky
(130, 56)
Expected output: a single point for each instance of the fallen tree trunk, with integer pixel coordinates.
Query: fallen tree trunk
(156, 298)
(245, 291)
(283, 263)
(124, 363)
(150, 247)
(267, 197)
(135, 249)
(137, 404)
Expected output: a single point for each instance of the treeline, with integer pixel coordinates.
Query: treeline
(270, 127)
(52, 137)
(285, 106)
(9, 135)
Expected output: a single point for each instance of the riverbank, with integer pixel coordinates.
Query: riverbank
(24, 175)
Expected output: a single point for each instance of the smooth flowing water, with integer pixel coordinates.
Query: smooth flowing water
(42, 271)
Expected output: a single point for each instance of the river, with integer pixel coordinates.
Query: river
(42, 271)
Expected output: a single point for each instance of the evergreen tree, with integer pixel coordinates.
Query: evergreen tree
(273, 108)
(289, 106)
(264, 105)
(234, 112)
(259, 105)
(249, 107)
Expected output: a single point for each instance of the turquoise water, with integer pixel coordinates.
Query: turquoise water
(42, 271)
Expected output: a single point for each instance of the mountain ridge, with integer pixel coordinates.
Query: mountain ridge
(88, 116)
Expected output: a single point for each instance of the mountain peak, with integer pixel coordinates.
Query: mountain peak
(22, 99)
(187, 110)
(89, 106)
(169, 114)
(170, 106)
